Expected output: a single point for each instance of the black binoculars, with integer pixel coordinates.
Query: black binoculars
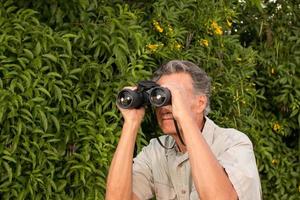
(147, 93)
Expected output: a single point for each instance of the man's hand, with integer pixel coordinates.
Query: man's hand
(185, 102)
(132, 115)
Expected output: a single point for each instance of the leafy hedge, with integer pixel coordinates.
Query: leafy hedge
(62, 63)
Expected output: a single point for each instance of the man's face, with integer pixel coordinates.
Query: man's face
(164, 114)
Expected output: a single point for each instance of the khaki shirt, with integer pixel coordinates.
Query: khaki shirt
(166, 173)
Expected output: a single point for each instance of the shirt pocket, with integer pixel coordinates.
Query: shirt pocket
(164, 192)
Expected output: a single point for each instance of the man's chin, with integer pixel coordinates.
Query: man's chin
(167, 127)
(169, 131)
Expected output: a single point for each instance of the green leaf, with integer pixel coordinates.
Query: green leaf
(8, 158)
(26, 112)
(11, 9)
(54, 74)
(28, 54)
(8, 171)
(51, 57)
(37, 99)
(58, 93)
(56, 122)
(75, 71)
(61, 185)
(43, 120)
(37, 49)
(69, 35)
(37, 62)
(43, 90)
(2, 111)
(69, 47)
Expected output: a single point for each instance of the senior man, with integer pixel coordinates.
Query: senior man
(194, 159)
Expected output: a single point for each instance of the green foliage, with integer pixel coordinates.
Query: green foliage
(59, 123)
(62, 63)
(274, 33)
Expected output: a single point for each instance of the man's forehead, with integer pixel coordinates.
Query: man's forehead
(180, 78)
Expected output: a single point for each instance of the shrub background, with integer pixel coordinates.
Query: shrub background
(63, 62)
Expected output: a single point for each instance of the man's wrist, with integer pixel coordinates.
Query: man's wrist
(131, 126)
(185, 117)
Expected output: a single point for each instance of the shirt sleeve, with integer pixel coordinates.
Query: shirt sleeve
(143, 186)
(238, 160)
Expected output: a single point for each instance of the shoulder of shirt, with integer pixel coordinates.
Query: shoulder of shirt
(230, 134)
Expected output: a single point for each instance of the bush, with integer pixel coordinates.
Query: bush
(62, 63)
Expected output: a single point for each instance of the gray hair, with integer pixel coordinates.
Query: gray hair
(201, 81)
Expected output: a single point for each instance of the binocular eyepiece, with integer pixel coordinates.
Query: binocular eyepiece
(147, 93)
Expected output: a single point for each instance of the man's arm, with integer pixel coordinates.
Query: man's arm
(209, 177)
(119, 181)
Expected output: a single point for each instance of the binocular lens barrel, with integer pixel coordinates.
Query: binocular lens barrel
(129, 99)
(160, 96)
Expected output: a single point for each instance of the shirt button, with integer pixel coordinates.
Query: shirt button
(183, 191)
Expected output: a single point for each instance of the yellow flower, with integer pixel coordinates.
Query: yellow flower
(157, 26)
(152, 47)
(214, 25)
(204, 42)
(177, 45)
(229, 23)
(170, 28)
(159, 29)
(274, 161)
(272, 71)
(217, 29)
(276, 127)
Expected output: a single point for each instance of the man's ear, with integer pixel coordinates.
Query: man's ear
(201, 103)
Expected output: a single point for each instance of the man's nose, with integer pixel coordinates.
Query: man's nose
(167, 108)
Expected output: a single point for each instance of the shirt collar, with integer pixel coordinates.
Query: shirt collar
(208, 131)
